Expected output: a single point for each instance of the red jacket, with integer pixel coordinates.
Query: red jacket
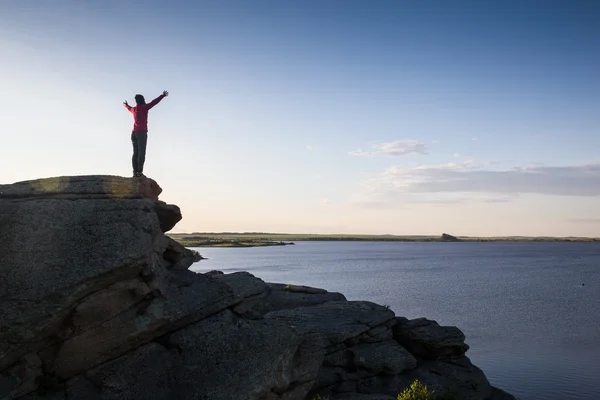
(140, 114)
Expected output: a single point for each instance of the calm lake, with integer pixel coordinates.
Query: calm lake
(530, 311)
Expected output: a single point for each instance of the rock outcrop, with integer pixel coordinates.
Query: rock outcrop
(97, 303)
(449, 238)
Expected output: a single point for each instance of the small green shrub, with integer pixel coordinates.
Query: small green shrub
(289, 287)
(417, 391)
(319, 397)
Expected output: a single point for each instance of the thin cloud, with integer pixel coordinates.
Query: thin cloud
(310, 148)
(457, 155)
(469, 177)
(394, 149)
(461, 165)
(475, 139)
(402, 200)
(586, 220)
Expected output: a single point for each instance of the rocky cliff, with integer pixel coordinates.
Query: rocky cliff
(97, 303)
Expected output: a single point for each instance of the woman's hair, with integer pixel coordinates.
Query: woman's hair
(139, 99)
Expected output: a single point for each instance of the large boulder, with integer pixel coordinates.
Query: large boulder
(428, 340)
(62, 240)
(96, 303)
(168, 215)
(277, 296)
(221, 357)
(78, 187)
(84, 277)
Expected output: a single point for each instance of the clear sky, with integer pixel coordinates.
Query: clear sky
(373, 116)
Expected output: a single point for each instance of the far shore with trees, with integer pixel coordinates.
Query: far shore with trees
(255, 239)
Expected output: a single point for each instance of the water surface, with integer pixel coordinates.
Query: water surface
(530, 311)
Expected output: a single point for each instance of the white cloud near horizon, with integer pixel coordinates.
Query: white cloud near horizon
(394, 149)
(585, 220)
(490, 186)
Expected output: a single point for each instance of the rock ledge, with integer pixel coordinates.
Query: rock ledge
(97, 303)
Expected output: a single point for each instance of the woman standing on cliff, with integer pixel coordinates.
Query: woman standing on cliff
(139, 134)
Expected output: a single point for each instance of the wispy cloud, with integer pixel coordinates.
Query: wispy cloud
(325, 200)
(457, 155)
(394, 149)
(475, 139)
(311, 148)
(401, 200)
(467, 164)
(489, 186)
(586, 220)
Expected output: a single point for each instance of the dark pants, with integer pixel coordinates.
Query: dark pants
(138, 140)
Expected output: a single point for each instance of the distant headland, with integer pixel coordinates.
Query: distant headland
(251, 239)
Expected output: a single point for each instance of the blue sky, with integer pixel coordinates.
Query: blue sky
(467, 117)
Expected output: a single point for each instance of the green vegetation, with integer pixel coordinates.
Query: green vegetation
(215, 241)
(417, 391)
(230, 239)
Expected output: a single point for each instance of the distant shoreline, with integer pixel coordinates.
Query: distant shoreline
(232, 239)
(219, 242)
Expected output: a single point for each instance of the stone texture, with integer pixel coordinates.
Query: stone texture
(268, 359)
(179, 257)
(55, 252)
(91, 187)
(168, 215)
(49, 395)
(384, 357)
(499, 394)
(96, 303)
(21, 378)
(277, 296)
(114, 379)
(463, 383)
(362, 396)
(429, 340)
(335, 321)
(107, 303)
(180, 300)
(243, 283)
(445, 379)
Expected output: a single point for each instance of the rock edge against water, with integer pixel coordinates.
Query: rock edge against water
(97, 303)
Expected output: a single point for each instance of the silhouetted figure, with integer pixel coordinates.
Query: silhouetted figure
(139, 134)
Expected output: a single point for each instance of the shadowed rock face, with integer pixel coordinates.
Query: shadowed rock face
(168, 215)
(97, 303)
(449, 238)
